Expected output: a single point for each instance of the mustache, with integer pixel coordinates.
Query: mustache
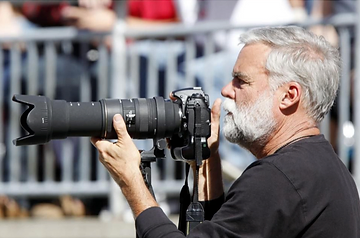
(229, 105)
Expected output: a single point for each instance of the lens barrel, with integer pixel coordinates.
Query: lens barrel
(145, 118)
(46, 119)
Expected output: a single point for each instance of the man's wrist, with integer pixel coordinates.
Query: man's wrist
(137, 193)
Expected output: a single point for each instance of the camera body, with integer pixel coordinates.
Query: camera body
(184, 120)
(196, 125)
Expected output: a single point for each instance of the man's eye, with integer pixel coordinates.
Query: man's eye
(240, 81)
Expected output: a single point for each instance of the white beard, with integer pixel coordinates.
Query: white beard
(247, 124)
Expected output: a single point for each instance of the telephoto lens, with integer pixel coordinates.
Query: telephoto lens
(46, 119)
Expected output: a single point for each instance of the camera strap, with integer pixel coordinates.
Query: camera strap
(191, 213)
(184, 201)
(194, 214)
(195, 211)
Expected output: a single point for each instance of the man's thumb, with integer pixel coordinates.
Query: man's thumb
(119, 126)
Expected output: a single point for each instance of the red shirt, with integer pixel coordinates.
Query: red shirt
(152, 9)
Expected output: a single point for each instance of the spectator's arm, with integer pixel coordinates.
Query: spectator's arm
(99, 19)
(95, 4)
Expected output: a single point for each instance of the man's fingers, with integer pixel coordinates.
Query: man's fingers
(120, 127)
(94, 140)
(215, 111)
(121, 131)
(215, 125)
(100, 144)
(171, 96)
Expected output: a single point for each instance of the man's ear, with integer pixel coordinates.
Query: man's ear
(290, 95)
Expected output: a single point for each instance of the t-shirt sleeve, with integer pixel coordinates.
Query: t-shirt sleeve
(147, 226)
(154, 223)
(212, 206)
(261, 203)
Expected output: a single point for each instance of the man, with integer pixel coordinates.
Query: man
(284, 82)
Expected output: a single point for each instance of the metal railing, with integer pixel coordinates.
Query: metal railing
(45, 61)
(170, 58)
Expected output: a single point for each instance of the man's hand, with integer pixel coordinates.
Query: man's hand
(122, 160)
(213, 140)
(210, 174)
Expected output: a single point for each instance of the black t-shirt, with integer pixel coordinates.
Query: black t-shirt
(303, 190)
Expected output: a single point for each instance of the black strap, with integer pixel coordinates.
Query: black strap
(184, 201)
(191, 213)
(195, 211)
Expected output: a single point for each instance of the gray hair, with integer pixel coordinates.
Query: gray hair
(300, 56)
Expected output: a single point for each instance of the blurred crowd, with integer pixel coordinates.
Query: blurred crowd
(101, 15)
(17, 19)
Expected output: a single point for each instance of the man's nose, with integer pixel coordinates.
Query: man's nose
(228, 91)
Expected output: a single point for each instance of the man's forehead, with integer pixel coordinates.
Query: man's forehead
(254, 51)
(251, 57)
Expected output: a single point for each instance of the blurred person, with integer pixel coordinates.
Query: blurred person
(9, 25)
(285, 81)
(247, 13)
(12, 25)
(90, 15)
(70, 65)
(300, 10)
(324, 9)
(10, 209)
(145, 14)
(94, 3)
(16, 20)
(321, 9)
(72, 59)
(153, 53)
(98, 18)
(242, 13)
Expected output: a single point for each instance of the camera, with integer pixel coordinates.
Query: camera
(184, 120)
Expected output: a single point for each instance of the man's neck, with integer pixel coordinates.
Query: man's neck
(286, 135)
